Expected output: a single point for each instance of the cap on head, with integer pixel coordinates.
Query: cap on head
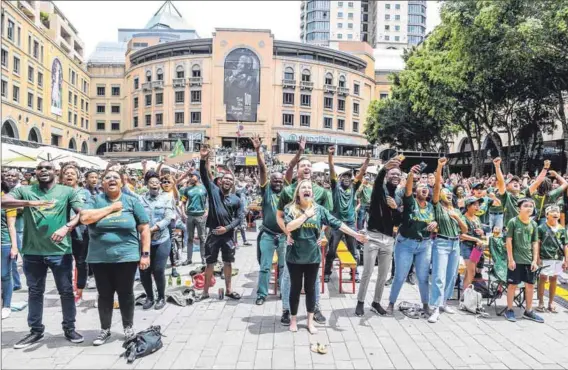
(552, 208)
(479, 186)
(514, 178)
(470, 200)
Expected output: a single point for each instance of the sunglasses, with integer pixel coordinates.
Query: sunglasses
(112, 177)
(39, 168)
(166, 182)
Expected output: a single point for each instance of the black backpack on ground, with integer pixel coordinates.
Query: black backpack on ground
(143, 344)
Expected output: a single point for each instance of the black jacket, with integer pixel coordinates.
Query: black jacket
(382, 218)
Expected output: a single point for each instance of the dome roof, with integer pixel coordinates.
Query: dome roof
(168, 17)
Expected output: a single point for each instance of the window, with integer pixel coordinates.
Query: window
(135, 121)
(195, 71)
(159, 98)
(340, 15)
(101, 108)
(148, 76)
(340, 4)
(397, 6)
(4, 58)
(340, 25)
(350, 4)
(87, 124)
(304, 120)
(148, 100)
(179, 117)
(350, 37)
(180, 73)
(82, 104)
(100, 91)
(75, 119)
(70, 98)
(160, 74)
(196, 96)
(387, 38)
(327, 122)
(40, 104)
(356, 89)
(328, 79)
(289, 73)
(100, 125)
(355, 108)
(55, 140)
(10, 30)
(397, 28)
(306, 100)
(387, 17)
(30, 100)
(16, 65)
(31, 74)
(40, 79)
(288, 119)
(4, 89)
(36, 49)
(339, 36)
(397, 38)
(306, 75)
(41, 53)
(86, 105)
(341, 105)
(328, 102)
(350, 26)
(115, 126)
(73, 77)
(148, 120)
(115, 90)
(349, 15)
(383, 96)
(75, 100)
(387, 6)
(136, 83)
(115, 109)
(159, 119)
(16, 93)
(180, 96)
(135, 102)
(195, 117)
(340, 124)
(387, 27)
(69, 117)
(84, 86)
(355, 126)
(341, 81)
(82, 122)
(397, 17)
(288, 99)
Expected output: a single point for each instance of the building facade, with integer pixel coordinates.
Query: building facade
(400, 23)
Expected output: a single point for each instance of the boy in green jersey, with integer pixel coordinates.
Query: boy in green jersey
(522, 257)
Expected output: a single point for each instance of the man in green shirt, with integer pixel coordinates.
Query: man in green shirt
(363, 201)
(545, 195)
(47, 244)
(522, 256)
(194, 199)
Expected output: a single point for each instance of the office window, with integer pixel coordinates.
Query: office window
(4, 89)
(135, 103)
(100, 91)
(288, 119)
(36, 49)
(355, 126)
(148, 100)
(69, 117)
(180, 96)
(82, 104)
(40, 79)
(340, 15)
(30, 100)
(387, 6)
(339, 36)
(341, 124)
(397, 17)
(179, 117)
(387, 17)
(148, 120)
(397, 38)
(40, 104)
(73, 77)
(16, 93)
(16, 65)
(195, 117)
(75, 119)
(31, 74)
(328, 102)
(10, 30)
(85, 86)
(306, 100)
(356, 89)
(180, 72)
(328, 79)
(387, 38)
(196, 96)
(289, 73)
(159, 119)
(101, 108)
(160, 74)
(355, 108)
(304, 120)
(70, 100)
(340, 25)
(115, 126)
(115, 91)
(306, 77)
(115, 109)
(349, 37)
(4, 58)
(82, 122)
(87, 124)
(387, 27)
(397, 6)
(75, 100)
(350, 4)
(136, 83)
(349, 15)
(195, 71)
(350, 26)
(397, 28)
(149, 76)
(383, 96)
(159, 98)
(101, 125)
(340, 4)
(327, 122)
(86, 105)
(341, 105)
(288, 98)
(135, 121)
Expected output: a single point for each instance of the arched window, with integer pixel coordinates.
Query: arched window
(306, 75)
(180, 73)
(102, 149)
(342, 81)
(34, 135)
(195, 71)
(72, 144)
(9, 129)
(148, 76)
(289, 73)
(328, 79)
(160, 74)
(84, 148)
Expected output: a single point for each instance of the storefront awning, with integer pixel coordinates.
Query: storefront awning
(319, 139)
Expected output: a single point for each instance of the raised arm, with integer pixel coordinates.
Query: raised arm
(438, 184)
(330, 154)
(540, 178)
(90, 216)
(288, 176)
(499, 176)
(256, 142)
(562, 183)
(203, 167)
(363, 169)
(410, 180)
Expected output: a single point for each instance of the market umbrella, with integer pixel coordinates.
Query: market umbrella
(324, 167)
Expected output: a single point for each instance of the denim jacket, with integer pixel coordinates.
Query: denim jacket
(161, 212)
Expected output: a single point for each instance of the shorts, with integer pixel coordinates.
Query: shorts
(465, 251)
(551, 268)
(522, 273)
(214, 244)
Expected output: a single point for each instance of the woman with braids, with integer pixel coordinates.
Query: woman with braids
(168, 184)
(304, 220)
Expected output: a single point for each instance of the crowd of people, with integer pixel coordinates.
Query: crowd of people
(113, 227)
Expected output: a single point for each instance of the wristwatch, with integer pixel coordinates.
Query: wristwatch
(145, 254)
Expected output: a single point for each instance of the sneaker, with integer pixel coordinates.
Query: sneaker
(6, 311)
(327, 278)
(248, 244)
(376, 307)
(78, 300)
(148, 303)
(28, 340)
(72, 336)
(389, 281)
(91, 284)
(260, 301)
(510, 315)
(360, 309)
(160, 304)
(530, 315)
(186, 263)
(96, 303)
(128, 333)
(104, 335)
(174, 272)
(318, 317)
(434, 316)
(285, 319)
(411, 279)
(447, 309)
(390, 310)
(357, 278)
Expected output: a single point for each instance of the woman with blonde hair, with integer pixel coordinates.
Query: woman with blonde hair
(304, 220)
(169, 187)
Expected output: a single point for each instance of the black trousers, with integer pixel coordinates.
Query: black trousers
(119, 278)
(351, 242)
(306, 274)
(158, 259)
(80, 248)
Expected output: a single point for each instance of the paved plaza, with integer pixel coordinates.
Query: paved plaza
(229, 334)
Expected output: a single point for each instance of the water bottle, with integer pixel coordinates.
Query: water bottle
(170, 282)
(178, 282)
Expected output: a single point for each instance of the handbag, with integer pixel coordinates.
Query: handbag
(143, 344)
(472, 301)
(476, 254)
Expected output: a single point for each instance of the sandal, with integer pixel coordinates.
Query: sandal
(319, 348)
(552, 309)
(233, 295)
(413, 313)
(540, 308)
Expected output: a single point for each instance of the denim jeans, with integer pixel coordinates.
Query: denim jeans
(192, 223)
(7, 287)
(285, 288)
(15, 274)
(35, 268)
(495, 220)
(407, 251)
(267, 248)
(362, 217)
(445, 261)
(159, 253)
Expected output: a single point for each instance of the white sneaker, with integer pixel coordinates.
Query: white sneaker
(91, 284)
(96, 301)
(6, 311)
(447, 309)
(434, 316)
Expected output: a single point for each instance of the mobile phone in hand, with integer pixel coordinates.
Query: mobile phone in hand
(423, 166)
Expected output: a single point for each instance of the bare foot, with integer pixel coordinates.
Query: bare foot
(312, 329)
(293, 327)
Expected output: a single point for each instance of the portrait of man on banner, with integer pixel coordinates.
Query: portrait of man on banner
(56, 86)
(242, 85)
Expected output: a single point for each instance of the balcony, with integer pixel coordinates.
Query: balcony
(288, 83)
(158, 84)
(147, 86)
(329, 89)
(178, 82)
(28, 8)
(306, 85)
(342, 90)
(195, 81)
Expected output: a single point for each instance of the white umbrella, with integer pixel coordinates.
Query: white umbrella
(324, 167)
(58, 156)
(149, 165)
(16, 153)
(374, 169)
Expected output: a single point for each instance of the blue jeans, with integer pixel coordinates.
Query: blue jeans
(159, 253)
(7, 287)
(361, 217)
(15, 274)
(445, 261)
(286, 284)
(407, 251)
(35, 268)
(496, 220)
(267, 248)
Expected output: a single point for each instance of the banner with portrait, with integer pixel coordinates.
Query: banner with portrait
(56, 87)
(242, 85)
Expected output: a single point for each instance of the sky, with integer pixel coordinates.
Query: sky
(99, 21)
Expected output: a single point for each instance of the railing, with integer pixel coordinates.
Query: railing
(158, 84)
(306, 85)
(288, 83)
(179, 82)
(329, 88)
(147, 86)
(343, 90)
(195, 81)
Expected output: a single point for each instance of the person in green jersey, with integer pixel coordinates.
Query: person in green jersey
(47, 244)
(194, 199)
(522, 256)
(304, 220)
(445, 248)
(472, 237)
(344, 194)
(553, 255)
(545, 195)
(363, 201)
(495, 208)
(9, 253)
